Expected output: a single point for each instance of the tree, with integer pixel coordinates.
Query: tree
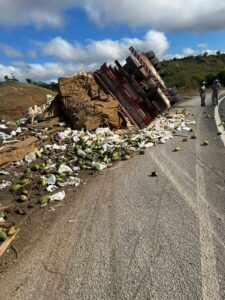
(10, 79)
(218, 53)
(205, 54)
(221, 76)
(7, 79)
(209, 78)
(13, 78)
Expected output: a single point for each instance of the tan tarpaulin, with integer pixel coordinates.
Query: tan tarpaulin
(86, 105)
(17, 151)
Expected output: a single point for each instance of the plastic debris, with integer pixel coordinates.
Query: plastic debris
(22, 121)
(162, 141)
(74, 181)
(51, 188)
(3, 126)
(4, 172)
(29, 158)
(58, 196)
(64, 168)
(64, 134)
(49, 183)
(5, 184)
(4, 136)
(98, 166)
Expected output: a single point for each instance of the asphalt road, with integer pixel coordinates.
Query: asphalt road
(131, 236)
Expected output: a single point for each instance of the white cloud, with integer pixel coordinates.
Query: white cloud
(10, 51)
(39, 13)
(41, 72)
(202, 46)
(73, 57)
(188, 52)
(158, 14)
(209, 51)
(104, 50)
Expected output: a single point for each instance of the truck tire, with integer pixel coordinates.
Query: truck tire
(176, 98)
(154, 61)
(173, 91)
(161, 72)
(134, 66)
(150, 54)
(158, 67)
(127, 69)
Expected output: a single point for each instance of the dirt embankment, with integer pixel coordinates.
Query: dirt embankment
(16, 98)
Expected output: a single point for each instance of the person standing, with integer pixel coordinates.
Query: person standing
(202, 91)
(215, 92)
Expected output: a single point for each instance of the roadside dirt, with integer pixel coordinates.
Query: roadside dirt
(16, 98)
(35, 219)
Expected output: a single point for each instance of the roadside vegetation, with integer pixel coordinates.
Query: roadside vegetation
(188, 72)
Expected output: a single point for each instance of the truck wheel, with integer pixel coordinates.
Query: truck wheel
(134, 66)
(161, 72)
(154, 61)
(127, 69)
(176, 98)
(158, 67)
(150, 54)
(173, 91)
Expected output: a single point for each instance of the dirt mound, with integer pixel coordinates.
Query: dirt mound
(16, 98)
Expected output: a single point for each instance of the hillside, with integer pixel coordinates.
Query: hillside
(16, 98)
(187, 73)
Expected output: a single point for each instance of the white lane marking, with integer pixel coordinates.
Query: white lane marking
(190, 182)
(218, 121)
(210, 283)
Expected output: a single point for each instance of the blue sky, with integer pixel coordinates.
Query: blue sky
(44, 40)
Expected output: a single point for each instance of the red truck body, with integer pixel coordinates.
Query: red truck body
(141, 91)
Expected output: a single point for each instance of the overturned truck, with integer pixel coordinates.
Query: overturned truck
(138, 86)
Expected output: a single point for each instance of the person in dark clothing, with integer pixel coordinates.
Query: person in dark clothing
(215, 92)
(202, 92)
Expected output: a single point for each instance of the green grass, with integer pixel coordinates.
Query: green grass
(187, 73)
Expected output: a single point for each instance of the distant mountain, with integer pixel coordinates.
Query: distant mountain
(188, 72)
